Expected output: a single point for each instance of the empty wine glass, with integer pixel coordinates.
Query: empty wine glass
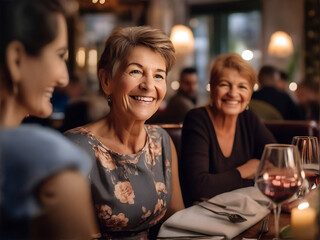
(309, 156)
(279, 176)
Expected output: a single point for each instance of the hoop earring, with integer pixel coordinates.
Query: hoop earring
(247, 107)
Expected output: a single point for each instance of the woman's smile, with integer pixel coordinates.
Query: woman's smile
(231, 102)
(48, 92)
(143, 99)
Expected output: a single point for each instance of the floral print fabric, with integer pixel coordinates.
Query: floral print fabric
(131, 192)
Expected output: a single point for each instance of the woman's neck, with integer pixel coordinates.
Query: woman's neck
(222, 122)
(12, 113)
(120, 135)
(225, 129)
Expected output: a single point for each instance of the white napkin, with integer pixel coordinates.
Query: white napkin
(197, 219)
(239, 203)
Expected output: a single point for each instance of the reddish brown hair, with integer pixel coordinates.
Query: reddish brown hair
(234, 61)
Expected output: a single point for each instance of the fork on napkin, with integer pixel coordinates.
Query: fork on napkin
(244, 207)
(195, 219)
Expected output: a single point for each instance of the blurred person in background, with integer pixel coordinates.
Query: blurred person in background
(269, 78)
(185, 99)
(282, 85)
(44, 192)
(223, 141)
(307, 95)
(134, 178)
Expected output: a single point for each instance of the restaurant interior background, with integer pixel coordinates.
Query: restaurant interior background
(218, 26)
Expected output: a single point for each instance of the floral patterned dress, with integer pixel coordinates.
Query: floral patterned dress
(131, 192)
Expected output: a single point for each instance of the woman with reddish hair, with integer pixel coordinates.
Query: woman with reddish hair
(223, 141)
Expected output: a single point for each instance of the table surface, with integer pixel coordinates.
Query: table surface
(253, 232)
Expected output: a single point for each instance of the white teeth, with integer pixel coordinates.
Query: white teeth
(48, 95)
(232, 102)
(144, 99)
(49, 92)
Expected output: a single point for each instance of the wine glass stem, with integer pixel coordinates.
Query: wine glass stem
(276, 213)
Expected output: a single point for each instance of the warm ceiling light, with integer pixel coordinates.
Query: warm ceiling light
(94, 1)
(92, 58)
(81, 57)
(280, 45)
(92, 61)
(182, 39)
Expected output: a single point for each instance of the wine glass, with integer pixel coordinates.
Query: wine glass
(279, 176)
(309, 156)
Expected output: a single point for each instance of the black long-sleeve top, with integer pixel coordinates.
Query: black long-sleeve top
(205, 171)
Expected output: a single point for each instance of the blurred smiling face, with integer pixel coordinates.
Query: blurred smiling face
(232, 93)
(41, 74)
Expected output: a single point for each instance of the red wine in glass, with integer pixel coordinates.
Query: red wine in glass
(278, 188)
(308, 147)
(279, 176)
(312, 176)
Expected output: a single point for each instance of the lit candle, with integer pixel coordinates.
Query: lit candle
(303, 222)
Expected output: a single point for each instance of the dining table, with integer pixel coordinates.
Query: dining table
(284, 221)
(195, 220)
(254, 231)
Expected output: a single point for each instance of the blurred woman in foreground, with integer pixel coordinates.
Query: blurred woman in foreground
(135, 173)
(43, 187)
(222, 142)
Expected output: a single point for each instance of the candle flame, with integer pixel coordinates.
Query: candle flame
(303, 205)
